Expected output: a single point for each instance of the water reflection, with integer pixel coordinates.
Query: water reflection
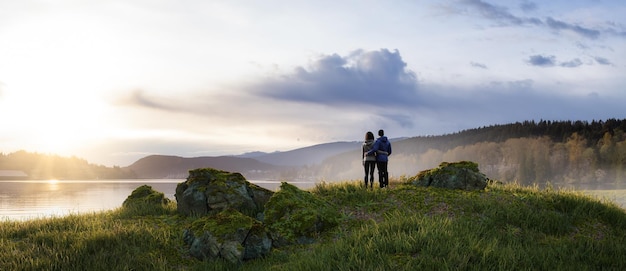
(22, 200)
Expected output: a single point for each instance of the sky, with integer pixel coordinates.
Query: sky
(114, 81)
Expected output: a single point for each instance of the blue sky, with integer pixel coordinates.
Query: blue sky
(114, 81)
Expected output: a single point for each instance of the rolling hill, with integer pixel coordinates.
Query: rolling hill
(175, 167)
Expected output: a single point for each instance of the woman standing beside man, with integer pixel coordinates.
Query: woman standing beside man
(369, 160)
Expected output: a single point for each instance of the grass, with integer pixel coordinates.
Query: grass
(505, 227)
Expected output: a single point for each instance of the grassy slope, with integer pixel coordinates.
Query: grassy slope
(506, 227)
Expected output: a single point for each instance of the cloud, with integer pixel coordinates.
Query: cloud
(602, 61)
(550, 61)
(478, 65)
(403, 120)
(524, 84)
(542, 61)
(560, 25)
(503, 16)
(498, 13)
(621, 32)
(572, 63)
(528, 6)
(374, 78)
(139, 98)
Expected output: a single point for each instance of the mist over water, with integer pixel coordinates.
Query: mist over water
(615, 192)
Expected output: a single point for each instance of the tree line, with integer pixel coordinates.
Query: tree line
(46, 166)
(529, 152)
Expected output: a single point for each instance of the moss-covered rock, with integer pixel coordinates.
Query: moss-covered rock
(458, 175)
(208, 191)
(296, 216)
(146, 198)
(228, 234)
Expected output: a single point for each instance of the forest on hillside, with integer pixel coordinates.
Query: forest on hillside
(46, 166)
(529, 152)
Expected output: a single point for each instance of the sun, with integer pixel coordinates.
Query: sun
(51, 97)
(56, 125)
(61, 127)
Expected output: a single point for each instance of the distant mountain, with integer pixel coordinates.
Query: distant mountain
(275, 165)
(162, 166)
(308, 155)
(253, 154)
(251, 165)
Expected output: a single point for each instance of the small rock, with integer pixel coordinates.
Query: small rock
(462, 175)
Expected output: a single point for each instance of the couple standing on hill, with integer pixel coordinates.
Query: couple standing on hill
(376, 154)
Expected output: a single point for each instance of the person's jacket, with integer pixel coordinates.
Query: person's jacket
(367, 146)
(382, 149)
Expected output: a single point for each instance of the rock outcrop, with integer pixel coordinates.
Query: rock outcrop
(296, 216)
(229, 210)
(238, 221)
(228, 234)
(462, 175)
(209, 191)
(144, 200)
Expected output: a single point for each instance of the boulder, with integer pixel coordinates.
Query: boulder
(209, 191)
(144, 199)
(296, 216)
(462, 175)
(229, 235)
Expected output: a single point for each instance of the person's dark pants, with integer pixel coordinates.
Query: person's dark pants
(369, 171)
(383, 175)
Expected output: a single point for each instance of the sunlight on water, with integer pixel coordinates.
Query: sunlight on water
(22, 200)
(53, 184)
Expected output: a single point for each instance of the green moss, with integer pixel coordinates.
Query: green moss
(224, 223)
(145, 196)
(294, 213)
(214, 175)
(461, 164)
(445, 168)
(223, 181)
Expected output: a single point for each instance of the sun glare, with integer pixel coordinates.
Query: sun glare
(53, 184)
(54, 86)
(61, 125)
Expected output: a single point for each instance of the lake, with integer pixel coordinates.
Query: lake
(22, 200)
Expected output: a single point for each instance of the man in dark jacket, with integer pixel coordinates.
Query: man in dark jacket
(382, 149)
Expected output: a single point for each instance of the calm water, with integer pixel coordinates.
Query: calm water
(22, 200)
